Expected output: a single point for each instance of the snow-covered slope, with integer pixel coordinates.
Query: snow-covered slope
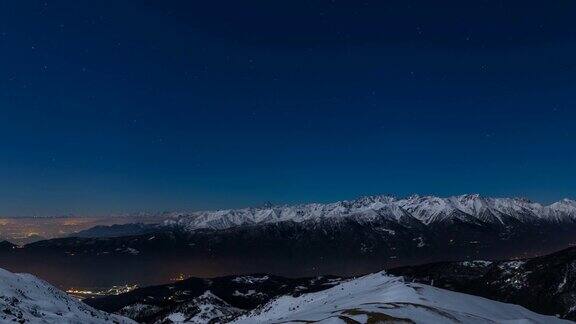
(207, 308)
(427, 210)
(27, 299)
(383, 298)
(545, 284)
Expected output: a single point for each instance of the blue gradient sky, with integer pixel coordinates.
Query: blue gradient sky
(120, 106)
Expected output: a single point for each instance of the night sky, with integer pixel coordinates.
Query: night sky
(121, 106)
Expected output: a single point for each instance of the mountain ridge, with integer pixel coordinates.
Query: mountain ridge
(550, 277)
(345, 238)
(425, 209)
(382, 298)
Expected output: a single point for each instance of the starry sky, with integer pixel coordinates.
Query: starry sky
(121, 106)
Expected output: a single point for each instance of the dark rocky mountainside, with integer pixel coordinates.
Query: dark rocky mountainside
(544, 284)
(226, 297)
(7, 246)
(344, 246)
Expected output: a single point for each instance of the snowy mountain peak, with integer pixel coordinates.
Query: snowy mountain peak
(568, 202)
(523, 200)
(206, 308)
(471, 196)
(562, 210)
(27, 299)
(383, 298)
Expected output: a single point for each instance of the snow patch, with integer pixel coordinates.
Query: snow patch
(250, 279)
(476, 263)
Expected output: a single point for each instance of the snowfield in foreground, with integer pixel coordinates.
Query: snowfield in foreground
(27, 299)
(375, 298)
(383, 298)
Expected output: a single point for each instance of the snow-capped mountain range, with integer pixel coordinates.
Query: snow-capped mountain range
(341, 238)
(424, 209)
(27, 299)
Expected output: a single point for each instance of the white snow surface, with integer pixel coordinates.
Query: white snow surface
(426, 209)
(28, 299)
(381, 297)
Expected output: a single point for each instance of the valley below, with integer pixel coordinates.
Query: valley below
(288, 249)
